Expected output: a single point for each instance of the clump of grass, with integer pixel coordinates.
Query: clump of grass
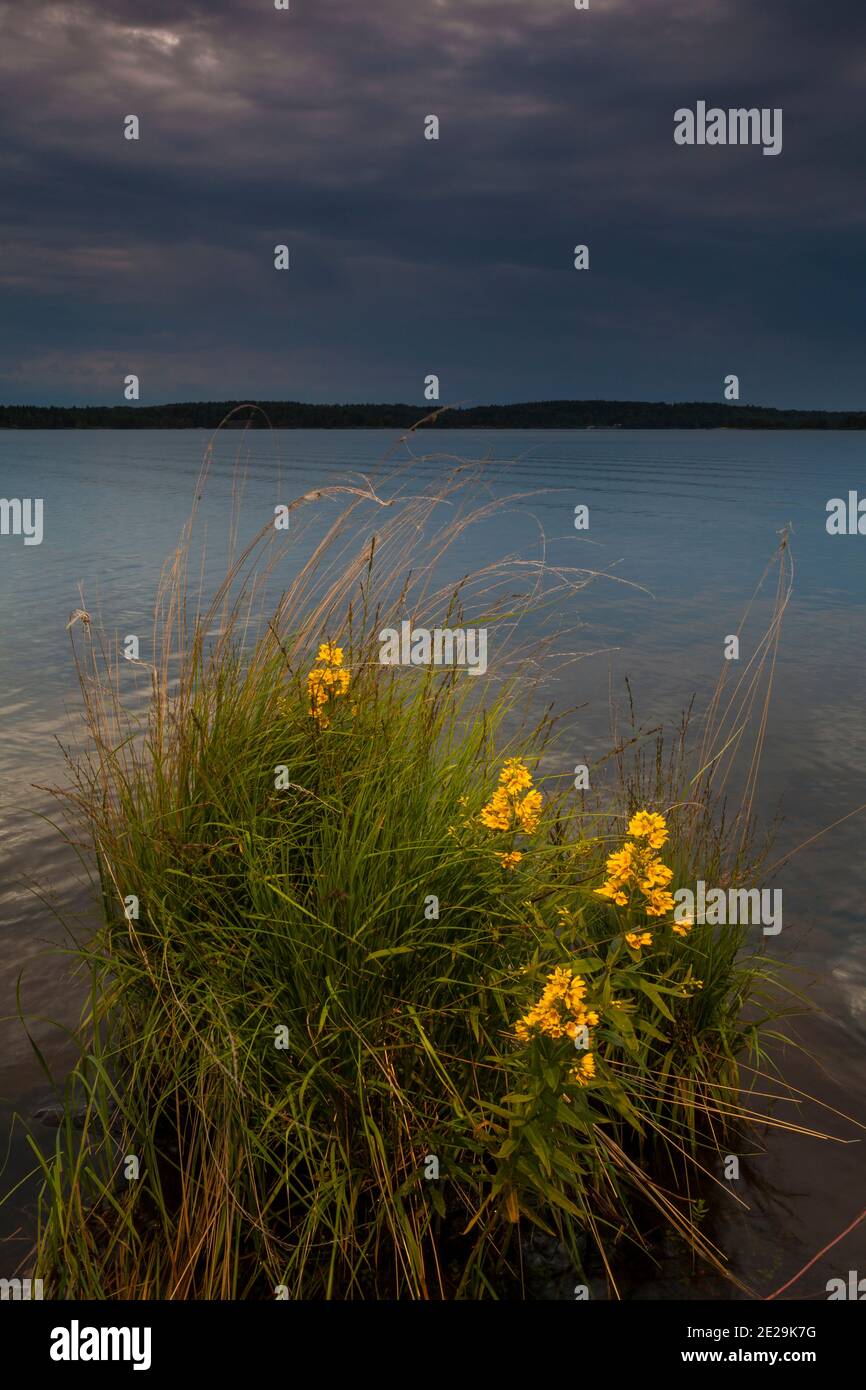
(368, 939)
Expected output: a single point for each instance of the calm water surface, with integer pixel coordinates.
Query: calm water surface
(690, 517)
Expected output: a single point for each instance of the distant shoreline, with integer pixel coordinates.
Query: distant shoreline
(530, 415)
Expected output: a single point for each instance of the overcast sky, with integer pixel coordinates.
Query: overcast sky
(411, 256)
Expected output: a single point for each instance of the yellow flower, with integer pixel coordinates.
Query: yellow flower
(515, 775)
(574, 995)
(636, 867)
(659, 902)
(683, 928)
(326, 682)
(608, 890)
(612, 890)
(638, 939)
(560, 1012)
(621, 863)
(496, 815)
(528, 812)
(656, 875)
(330, 653)
(649, 826)
(585, 1069)
(507, 809)
(510, 861)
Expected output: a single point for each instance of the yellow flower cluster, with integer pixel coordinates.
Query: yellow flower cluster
(510, 861)
(636, 939)
(585, 1069)
(637, 866)
(515, 805)
(649, 826)
(326, 681)
(561, 1011)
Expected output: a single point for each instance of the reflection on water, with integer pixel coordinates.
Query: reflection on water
(691, 517)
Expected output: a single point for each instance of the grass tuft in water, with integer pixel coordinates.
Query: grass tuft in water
(309, 1038)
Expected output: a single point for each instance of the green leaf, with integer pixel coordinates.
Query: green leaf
(538, 1144)
(585, 965)
(621, 1024)
(558, 1199)
(650, 1029)
(437, 1199)
(621, 1103)
(654, 993)
(391, 951)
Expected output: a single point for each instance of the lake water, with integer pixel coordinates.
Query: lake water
(690, 517)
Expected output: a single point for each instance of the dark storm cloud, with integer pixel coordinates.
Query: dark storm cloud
(408, 256)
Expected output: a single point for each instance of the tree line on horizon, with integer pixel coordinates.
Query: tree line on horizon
(523, 415)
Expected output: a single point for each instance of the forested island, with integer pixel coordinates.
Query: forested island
(537, 415)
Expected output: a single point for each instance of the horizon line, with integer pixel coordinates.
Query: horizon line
(430, 408)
